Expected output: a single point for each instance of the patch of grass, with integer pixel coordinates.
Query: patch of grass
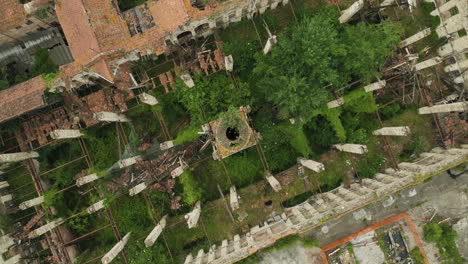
(417, 256)
(188, 134)
(445, 238)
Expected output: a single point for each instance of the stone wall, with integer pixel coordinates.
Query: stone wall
(321, 208)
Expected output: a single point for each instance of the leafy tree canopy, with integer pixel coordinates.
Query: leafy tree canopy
(211, 95)
(318, 52)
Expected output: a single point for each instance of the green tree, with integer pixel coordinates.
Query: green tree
(432, 232)
(305, 59)
(211, 96)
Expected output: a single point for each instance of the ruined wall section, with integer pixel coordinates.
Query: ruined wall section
(319, 208)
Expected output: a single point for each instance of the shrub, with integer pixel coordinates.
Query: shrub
(417, 256)
(320, 131)
(432, 232)
(416, 146)
(371, 164)
(191, 190)
(390, 111)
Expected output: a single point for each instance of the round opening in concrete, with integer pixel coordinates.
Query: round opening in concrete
(232, 133)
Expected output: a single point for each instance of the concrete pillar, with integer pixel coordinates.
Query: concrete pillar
(212, 254)
(387, 179)
(347, 14)
(269, 44)
(451, 25)
(187, 80)
(13, 260)
(19, 156)
(352, 148)
(458, 66)
(348, 194)
(418, 36)
(233, 199)
(192, 217)
(298, 214)
(200, 256)
(274, 183)
(45, 228)
(137, 189)
(188, 259)
(312, 165)
(375, 86)
(95, 207)
(6, 198)
(148, 99)
(373, 184)
(65, 133)
(86, 179)
(178, 171)
(413, 167)
(392, 131)
(444, 108)
(224, 248)
(130, 161)
(427, 63)
(115, 250)
(5, 243)
(336, 103)
(237, 244)
(455, 46)
(4, 184)
(110, 117)
(229, 63)
(30, 203)
(166, 145)
(153, 236)
(335, 198)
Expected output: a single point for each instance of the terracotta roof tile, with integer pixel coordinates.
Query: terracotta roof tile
(22, 98)
(12, 14)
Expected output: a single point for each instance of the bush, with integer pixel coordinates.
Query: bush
(191, 190)
(390, 111)
(370, 165)
(417, 256)
(416, 146)
(320, 132)
(445, 238)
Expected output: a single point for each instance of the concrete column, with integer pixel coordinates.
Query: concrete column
(115, 250)
(177, 172)
(148, 99)
(427, 63)
(351, 148)
(212, 254)
(375, 86)
(137, 189)
(312, 165)
(19, 156)
(269, 44)
(413, 167)
(460, 66)
(110, 117)
(187, 80)
(200, 256)
(153, 236)
(86, 179)
(298, 214)
(250, 240)
(387, 179)
(130, 161)
(13, 260)
(451, 25)
(188, 259)
(30, 203)
(335, 198)
(95, 207)
(348, 194)
(418, 36)
(192, 217)
(373, 184)
(392, 131)
(274, 183)
(166, 145)
(224, 248)
(347, 14)
(456, 45)
(444, 108)
(229, 63)
(65, 133)
(5, 243)
(237, 244)
(4, 184)
(6, 198)
(336, 103)
(310, 208)
(233, 199)
(45, 228)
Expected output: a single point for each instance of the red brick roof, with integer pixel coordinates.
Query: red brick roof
(12, 14)
(22, 98)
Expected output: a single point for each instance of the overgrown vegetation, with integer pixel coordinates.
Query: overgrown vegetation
(444, 237)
